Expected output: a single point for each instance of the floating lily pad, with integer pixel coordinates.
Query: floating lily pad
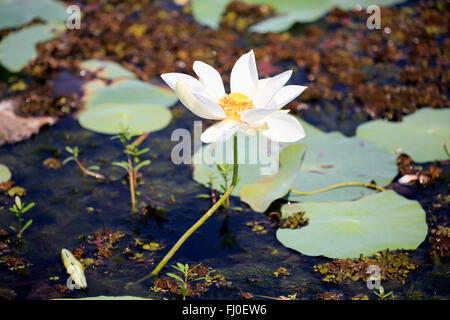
(332, 158)
(261, 194)
(5, 174)
(14, 13)
(128, 92)
(208, 12)
(19, 47)
(132, 103)
(347, 229)
(421, 135)
(112, 118)
(289, 12)
(107, 69)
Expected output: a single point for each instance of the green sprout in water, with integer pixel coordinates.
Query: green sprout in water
(19, 209)
(381, 293)
(133, 163)
(74, 157)
(188, 275)
(225, 171)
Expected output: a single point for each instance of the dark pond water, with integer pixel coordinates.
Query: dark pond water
(224, 243)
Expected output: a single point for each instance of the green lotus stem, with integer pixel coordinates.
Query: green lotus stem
(205, 217)
(339, 185)
(235, 159)
(131, 177)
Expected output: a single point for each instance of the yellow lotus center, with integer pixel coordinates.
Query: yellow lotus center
(234, 104)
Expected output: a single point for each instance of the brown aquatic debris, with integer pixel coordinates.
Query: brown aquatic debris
(246, 295)
(5, 186)
(14, 128)
(52, 163)
(393, 265)
(329, 296)
(413, 174)
(193, 290)
(79, 252)
(440, 242)
(295, 221)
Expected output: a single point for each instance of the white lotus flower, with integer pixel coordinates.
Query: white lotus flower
(252, 106)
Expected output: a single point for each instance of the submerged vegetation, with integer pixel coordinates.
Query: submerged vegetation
(187, 276)
(361, 179)
(74, 157)
(134, 162)
(392, 265)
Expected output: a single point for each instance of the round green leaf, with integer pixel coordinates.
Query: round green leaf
(112, 118)
(128, 92)
(347, 229)
(131, 103)
(18, 48)
(208, 12)
(14, 13)
(332, 158)
(422, 135)
(107, 69)
(291, 12)
(5, 174)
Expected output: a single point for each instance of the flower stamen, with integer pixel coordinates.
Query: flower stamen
(234, 104)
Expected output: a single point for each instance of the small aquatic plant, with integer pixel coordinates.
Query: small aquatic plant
(75, 151)
(188, 275)
(382, 294)
(225, 170)
(134, 162)
(19, 209)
